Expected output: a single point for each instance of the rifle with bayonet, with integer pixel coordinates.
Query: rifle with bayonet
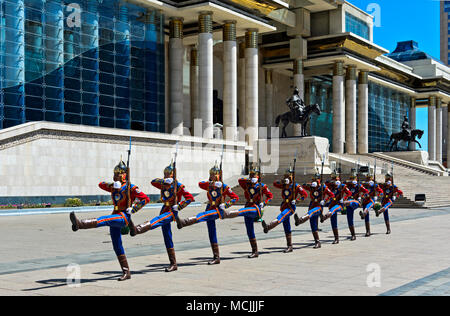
(129, 201)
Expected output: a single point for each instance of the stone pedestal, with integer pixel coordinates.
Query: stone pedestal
(278, 153)
(418, 156)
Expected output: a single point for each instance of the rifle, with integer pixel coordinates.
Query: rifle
(221, 177)
(129, 201)
(175, 182)
(294, 189)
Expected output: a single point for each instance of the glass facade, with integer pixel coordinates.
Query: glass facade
(356, 26)
(321, 92)
(387, 107)
(91, 62)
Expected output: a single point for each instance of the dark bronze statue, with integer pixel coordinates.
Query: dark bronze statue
(299, 113)
(406, 135)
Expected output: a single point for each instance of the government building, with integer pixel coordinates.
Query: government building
(89, 74)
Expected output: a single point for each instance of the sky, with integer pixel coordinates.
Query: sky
(403, 20)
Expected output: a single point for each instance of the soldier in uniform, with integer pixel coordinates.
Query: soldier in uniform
(121, 215)
(253, 210)
(169, 212)
(391, 193)
(369, 200)
(341, 194)
(320, 195)
(354, 201)
(291, 194)
(216, 208)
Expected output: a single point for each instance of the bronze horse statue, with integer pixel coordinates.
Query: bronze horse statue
(295, 117)
(402, 136)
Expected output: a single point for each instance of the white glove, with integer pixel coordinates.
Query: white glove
(286, 181)
(254, 180)
(359, 199)
(168, 180)
(175, 208)
(394, 198)
(293, 202)
(222, 206)
(355, 182)
(322, 202)
(314, 184)
(338, 183)
(129, 211)
(218, 184)
(261, 205)
(117, 185)
(341, 201)
(375, 198)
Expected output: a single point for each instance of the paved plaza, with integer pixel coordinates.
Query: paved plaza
(40, 255)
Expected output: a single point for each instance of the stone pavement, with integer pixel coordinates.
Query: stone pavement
(414, 260)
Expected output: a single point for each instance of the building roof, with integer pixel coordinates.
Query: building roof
(409, 50)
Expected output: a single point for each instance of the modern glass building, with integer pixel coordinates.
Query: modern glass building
(91, 62)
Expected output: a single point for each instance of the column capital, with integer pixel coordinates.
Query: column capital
(438, 102)
(351, 73)
(363, 77)
(251, 38)
(338, 68)
(229, 30)
(432, 100)
(298, 66)
(176, 27)
(205, 22)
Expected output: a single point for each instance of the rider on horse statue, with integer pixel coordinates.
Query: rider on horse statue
(406, 130)
(296, 104)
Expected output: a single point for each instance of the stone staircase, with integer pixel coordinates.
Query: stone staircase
(269, 179)
(412, 180)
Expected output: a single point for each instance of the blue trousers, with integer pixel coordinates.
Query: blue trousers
(386, 212)
(334, 212)
(249, 213)
(285, 218)
(210, 218)
(115, 222)
(314, 214)
(365, 207)
(163, 221)
(354, 204)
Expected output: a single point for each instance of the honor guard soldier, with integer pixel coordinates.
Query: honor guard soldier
(216, 208)
(320, 195)
(172, 193)
(254, 190)
(121, 215)
(291, 193)
(354, 201)
(391, 193)
(369, 200)
(341, 194)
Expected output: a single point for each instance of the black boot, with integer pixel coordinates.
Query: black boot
(254, 246)
(316, 240)
(272, 225)
(336, 236)
(172, 260)
(216, 257)
(367, 229)
(82, 224)
(289, 243)
(126, 274)
(352, 232)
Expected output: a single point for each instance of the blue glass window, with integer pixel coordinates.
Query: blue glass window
(356, 26)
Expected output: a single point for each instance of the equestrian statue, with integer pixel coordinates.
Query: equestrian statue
(407, 134)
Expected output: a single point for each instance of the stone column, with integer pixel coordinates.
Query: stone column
(229, 80)
(350, 110)
(448, 134)
(241, 85)
(251, 84)
(438, 130)
(412, 120)
(363, 112)
(299, 82)
(193, 86)
(432, 128)
(269, 99)
(338, 108)
(176, 51)
(205, 72)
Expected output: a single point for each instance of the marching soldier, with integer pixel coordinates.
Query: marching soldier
(320, 195)
(369, 201)
(354, 201)
(121, 215)
(216, 208)
(391, 193)
(289, 193)
(253, 210)
(341, 194)
(172, 192)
